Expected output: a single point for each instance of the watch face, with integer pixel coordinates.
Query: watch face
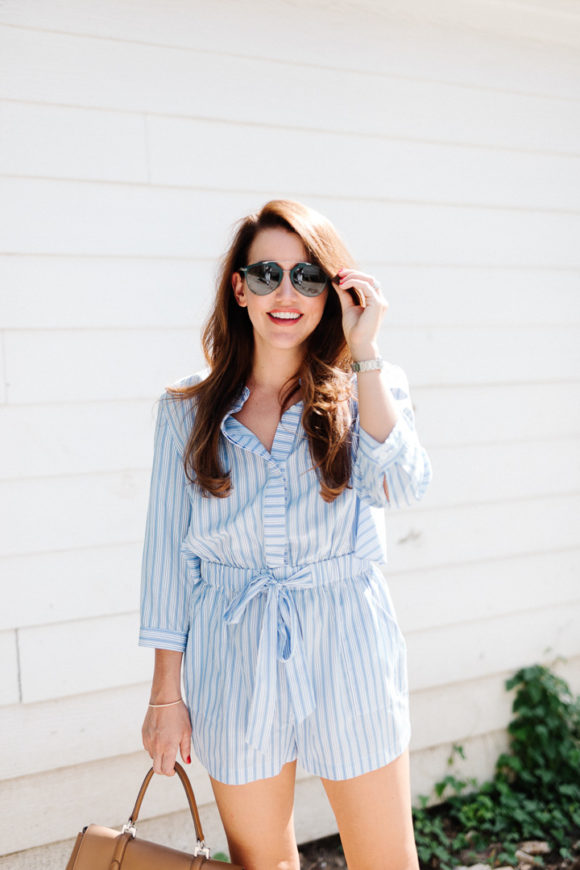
(368, 365)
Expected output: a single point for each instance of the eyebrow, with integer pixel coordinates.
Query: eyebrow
(280, 263)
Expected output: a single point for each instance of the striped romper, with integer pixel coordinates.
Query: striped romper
(291, 644)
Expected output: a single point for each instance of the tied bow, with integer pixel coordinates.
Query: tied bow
(280, 638)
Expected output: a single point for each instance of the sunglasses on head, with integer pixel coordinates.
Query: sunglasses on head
(263, 277)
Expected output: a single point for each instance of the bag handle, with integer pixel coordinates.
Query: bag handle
(129, 827)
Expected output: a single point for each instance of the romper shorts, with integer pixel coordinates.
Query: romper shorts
(295, 662)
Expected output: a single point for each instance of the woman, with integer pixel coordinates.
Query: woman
(261, 549)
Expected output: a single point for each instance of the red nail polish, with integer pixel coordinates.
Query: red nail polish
(189, 759)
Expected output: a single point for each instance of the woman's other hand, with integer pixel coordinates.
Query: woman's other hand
(165, 731)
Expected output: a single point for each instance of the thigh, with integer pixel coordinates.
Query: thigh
(374, 817)
(258, 818)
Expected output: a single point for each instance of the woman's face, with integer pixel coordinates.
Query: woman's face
(287, 249)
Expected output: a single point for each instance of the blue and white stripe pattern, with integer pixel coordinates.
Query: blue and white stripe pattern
(292, 647)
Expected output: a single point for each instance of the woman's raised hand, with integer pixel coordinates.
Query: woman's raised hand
(361, 324)
(165, 731)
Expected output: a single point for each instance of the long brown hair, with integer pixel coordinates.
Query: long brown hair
(228, 346)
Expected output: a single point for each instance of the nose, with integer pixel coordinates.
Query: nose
(286, 288)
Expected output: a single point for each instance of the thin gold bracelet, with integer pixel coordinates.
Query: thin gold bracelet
(167, 705)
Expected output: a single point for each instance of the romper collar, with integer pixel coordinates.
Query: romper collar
(235, 407)
(239, 434)
(242, 399)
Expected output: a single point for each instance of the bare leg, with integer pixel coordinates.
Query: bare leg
(374, 817)
(258, 819)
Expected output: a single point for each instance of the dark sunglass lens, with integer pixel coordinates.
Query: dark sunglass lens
(263, 277)
(310, 279)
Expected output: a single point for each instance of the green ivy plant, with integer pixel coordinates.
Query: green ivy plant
(534, 793)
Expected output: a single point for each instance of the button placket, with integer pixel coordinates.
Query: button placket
(275, 490)
(274, 516)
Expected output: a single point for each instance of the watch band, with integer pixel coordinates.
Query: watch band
(368, 365)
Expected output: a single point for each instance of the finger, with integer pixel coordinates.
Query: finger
(364, 288)
(185, 748)
(360, 296)
(361, 276)
(346, 299)
(168, 763)
(368, 280)
(353, 273)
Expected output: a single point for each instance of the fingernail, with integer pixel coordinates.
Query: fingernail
(189, 759)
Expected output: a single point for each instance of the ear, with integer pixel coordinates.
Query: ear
(239, 290)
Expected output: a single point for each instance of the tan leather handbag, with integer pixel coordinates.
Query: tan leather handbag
(99, 848)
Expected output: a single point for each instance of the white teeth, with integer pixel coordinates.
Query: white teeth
(286, 315)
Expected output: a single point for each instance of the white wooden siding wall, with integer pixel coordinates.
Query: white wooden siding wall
(443, 142)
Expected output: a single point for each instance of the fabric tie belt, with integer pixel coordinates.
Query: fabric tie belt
(280, 631)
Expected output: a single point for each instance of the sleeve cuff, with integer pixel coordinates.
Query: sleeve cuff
(383, 452)
(160, 638)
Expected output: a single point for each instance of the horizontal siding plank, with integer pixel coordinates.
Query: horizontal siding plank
(90, 219)
(2, 368)
(484, 589)
(439, 356)
(42, 292)
(498, 413)
(93, 219)
(82, 656)
(421, 538)
(91, 726)
(490, 646)
(68, 292)
(455, 356)
(494, 472)
(111, 364)
(93, 510)
(70, 584)
(462, 42)
(474, 708)
(80, 437)
(67, 70)
(74, 143)
(199, 154)
(457, 234)
(440, 296)
(58, 142)
(9, 672)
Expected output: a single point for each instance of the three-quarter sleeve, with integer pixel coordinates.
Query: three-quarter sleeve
(399, 459)
(164, 588)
